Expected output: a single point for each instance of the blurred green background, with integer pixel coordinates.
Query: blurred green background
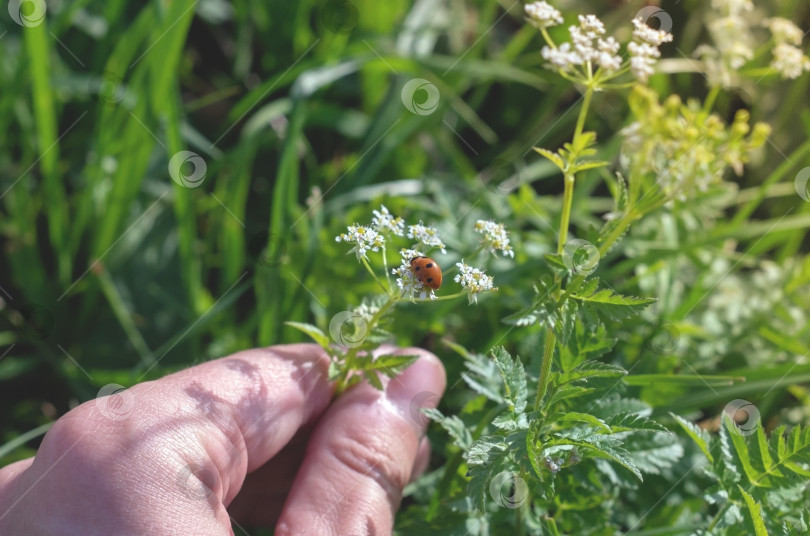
(113, 272)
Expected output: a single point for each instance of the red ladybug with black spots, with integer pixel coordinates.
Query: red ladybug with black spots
(427, 271)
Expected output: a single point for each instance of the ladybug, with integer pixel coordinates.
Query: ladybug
(427, 271)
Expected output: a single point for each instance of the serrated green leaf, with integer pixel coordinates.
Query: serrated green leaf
(587, 342)
(514, 379)
(487, 457)
(373, 379)
(653, 453)
(755, 513)
(388, 364)
(764, 466)
(613, 404)
(583, 166)
(587, 418)
(699, 436)
(591, 369)
(454, 426)
(313, 331)
(595, 444)
(611, 306)
(554, 158)
(567, 392)
(627, 422)
(555, 260)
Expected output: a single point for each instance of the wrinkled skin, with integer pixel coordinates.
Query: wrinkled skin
(251, 438)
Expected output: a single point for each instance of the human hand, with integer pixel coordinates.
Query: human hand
(251, 437)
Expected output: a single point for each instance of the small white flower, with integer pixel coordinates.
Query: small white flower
(790, 61)
(473, 281)
(583, 43)
(732, 7)
(649, 35)
(542, 15)
(642, 59)
(384, 222)
(366, 311)
(609, 45)
(428, 236)
(608, 58)
(784, 31)
(407, 281)
(592, 26)
(495, 238)
(562, 57)
(364, 238)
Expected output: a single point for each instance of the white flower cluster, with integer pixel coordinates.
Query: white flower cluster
(589, 46)
(734, 43)
(366, 311)
(495, 237)
(473, 280)
(788, 58)
(644, 49)
(542, 15)
(428, 236)
(364, 238)
(370, 238)
(385, 222)
(406, 280)
(784, 31)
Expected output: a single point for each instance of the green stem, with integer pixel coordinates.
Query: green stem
(568, 198)
(377, 279)
(710, 98)
(545, 370)
(351, 355)
(440, 298)
(387, 273)
(565, 218)
(583, 112)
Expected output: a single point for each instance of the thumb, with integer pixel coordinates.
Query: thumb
(362, 455)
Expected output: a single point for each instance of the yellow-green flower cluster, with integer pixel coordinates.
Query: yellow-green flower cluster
(682, 147)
